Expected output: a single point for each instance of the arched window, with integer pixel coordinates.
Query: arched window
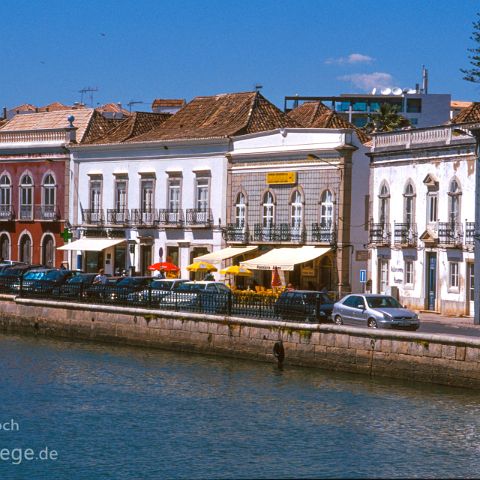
(384, 205)
(5, 197)
(48, 251)
(4, 247)
(268, 210)
(25, 250)
(326, 209)
(49, 197)
(240, 211)
(26, 198)
(454, 193)
(296, 210)
(409, 204)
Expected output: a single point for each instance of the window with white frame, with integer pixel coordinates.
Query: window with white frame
(408, 272)
(147, 195)
(409, 204)
(240, 210)
(95, 189)
(120, 194)
(454, 194)
(326, 209)
(384, 205)
(296, 207)
(174, 192)
(202, 194)
(49, 191)
(432, 207)
(382, 275)
(5, 191)
(268, 214)
(26, 197)
(453, 275)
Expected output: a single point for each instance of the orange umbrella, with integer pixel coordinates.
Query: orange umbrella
(276, 282)
(165, 266)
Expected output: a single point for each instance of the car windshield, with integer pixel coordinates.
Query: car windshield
(53, 275)
(382, 302)
(311, 297)
(162, 285)
(34, 275)
(190, 287)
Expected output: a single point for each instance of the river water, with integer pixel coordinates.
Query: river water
(91, 411)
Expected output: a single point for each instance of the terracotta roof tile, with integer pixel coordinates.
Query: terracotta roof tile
(53, 107)
(136, 124)
(318, 115)
(113, 108)
(470, 114)
(221, 116)
(168, 102)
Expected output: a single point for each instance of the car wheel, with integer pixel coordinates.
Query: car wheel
(338, 320)
(372, 323)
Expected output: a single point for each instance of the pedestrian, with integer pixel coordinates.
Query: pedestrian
(290, 287)
(100, 278)
(209, 276)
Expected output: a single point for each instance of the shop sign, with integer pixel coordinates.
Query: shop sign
(281, 178)
(308, 271)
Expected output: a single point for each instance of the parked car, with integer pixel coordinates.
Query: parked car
(204, 296)
(76, 286)
(42, 281)
(10, 277)
(156, 290)
(119, 290)
(374, 311)
(304, 305)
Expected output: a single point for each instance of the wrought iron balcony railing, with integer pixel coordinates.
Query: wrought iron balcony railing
(282, 232)
(405, 234)
(118, 216)
(469, 233)
(26, 212)
(170, 217)
(6, 213)
(379, 234)
(234, 233)
(93, 217)
(198, 217)
(49, 213)
(143, 217)
(323, 233)
(450, 234)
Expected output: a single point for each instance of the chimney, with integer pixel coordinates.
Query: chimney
(4, 112)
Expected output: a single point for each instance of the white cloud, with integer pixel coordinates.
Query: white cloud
(353, 58)
(367, 81)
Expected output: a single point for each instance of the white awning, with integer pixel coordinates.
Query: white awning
(92, 244)
(219, 255)
(284, 258)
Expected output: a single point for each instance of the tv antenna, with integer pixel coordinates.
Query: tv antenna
(258, 87)
(133, 102)
(89, 90)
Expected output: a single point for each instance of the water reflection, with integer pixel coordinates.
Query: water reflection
(135, 413)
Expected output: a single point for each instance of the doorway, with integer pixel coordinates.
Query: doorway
(470, 289)
(145, 258)
(431, 281)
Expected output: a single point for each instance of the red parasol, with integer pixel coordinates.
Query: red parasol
(276, 282)
(164, 266)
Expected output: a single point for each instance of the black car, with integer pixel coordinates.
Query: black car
(11, 277)
(76, 286)
(43, 281)
(119, 291)
(304, 306)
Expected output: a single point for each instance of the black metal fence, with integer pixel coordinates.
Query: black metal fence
(242, 303)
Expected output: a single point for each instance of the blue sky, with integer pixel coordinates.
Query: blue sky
(145, 49)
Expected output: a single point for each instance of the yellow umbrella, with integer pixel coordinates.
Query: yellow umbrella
(201, 267)
(238, 270)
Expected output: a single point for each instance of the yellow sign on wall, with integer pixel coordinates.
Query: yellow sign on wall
(281, 177)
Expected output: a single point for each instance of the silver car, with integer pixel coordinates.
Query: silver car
(374, 311)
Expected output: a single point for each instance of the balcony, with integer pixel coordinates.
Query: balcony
(93, 217)
(47, 213)
(282, 232)
(118, 216)
(6, 213)
(379, 234)
(199, 218)
(144, 217)
(450, 235)
(26, 212)
(172, 218)
(235, 234)
(323, 233)
(405, 234)
(469, 234)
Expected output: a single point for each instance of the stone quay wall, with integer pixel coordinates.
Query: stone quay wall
(429, 358)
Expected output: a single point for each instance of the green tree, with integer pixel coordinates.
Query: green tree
(473, 74)
(386, 119)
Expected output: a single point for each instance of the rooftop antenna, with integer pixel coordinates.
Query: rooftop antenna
(258, 87)
(88, 90)
(424, 80)
(133, 102)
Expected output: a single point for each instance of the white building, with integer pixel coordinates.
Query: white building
(422, 195)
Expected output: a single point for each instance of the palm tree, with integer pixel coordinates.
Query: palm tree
(386, 119)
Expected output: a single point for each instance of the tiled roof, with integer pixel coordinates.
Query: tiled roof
(459, 104)
(318, 115)
(168, 102)
(98, 126)
(88, 122)
(26, 107)
(53, 107)
(113, 108)
(470, 114)
(221, 116)
(136, 124)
